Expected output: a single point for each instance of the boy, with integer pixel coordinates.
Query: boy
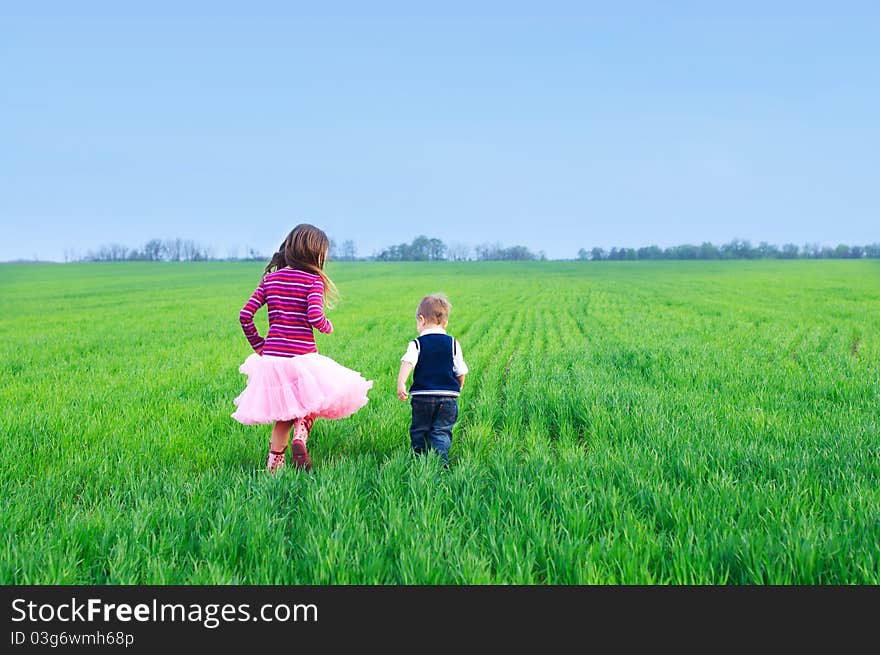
(438, 369)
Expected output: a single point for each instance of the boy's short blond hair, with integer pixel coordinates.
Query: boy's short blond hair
(435, 308)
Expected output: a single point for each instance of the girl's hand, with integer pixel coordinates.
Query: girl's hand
(260, 350)
(401, 393)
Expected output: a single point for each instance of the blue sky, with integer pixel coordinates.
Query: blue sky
(552, 125)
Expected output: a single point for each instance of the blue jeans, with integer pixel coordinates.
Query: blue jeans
(432, 421)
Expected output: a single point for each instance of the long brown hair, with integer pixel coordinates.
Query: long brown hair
(306, 248)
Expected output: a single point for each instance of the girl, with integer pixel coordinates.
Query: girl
(289, 383)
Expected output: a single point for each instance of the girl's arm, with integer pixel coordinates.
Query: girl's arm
(316, 308)
(246, 318)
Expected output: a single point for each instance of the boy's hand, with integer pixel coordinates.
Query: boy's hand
(401, 393)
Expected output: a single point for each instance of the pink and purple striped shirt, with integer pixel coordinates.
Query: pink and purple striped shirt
(295, 300)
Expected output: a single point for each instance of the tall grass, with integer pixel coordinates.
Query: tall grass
(659, 423)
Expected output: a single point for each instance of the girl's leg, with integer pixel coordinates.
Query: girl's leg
(280, 435)
(278, 445)
(309, 422)
(298, 452)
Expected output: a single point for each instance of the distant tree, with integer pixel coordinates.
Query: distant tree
(517, 253)
(685, 251)
(153, 250)
(487, 251)
(766, 250)
(811, 250)
(422, 248)
(598, 254)
(458, 252)
(495, 252)
(113, 252)
(583, 255)
(650, 252)
(349, 250)
(189, 250)
(206, 253)
(436, 250)
(172, 249)
(789, 251)
(689, 251)
(708, 250)
(872, 250)
(841, 251)
(116, 252)
(737, 249)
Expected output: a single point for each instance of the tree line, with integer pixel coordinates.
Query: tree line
(424, 248)
(736, 249)
(156, 250)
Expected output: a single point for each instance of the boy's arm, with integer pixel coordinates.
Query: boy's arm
(405, 369)
(459, 367)
(407, 364)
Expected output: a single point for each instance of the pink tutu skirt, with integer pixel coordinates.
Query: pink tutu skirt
(285, 388)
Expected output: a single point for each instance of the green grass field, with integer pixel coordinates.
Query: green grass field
(670, 422)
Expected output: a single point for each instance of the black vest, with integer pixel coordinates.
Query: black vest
(433, 374)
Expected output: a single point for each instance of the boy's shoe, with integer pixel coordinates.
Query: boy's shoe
(274, 461)
(298, 453)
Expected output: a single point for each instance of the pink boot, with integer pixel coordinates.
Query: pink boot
(298, 452)
(274, 461)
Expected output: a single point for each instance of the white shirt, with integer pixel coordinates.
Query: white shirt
(458, 365)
